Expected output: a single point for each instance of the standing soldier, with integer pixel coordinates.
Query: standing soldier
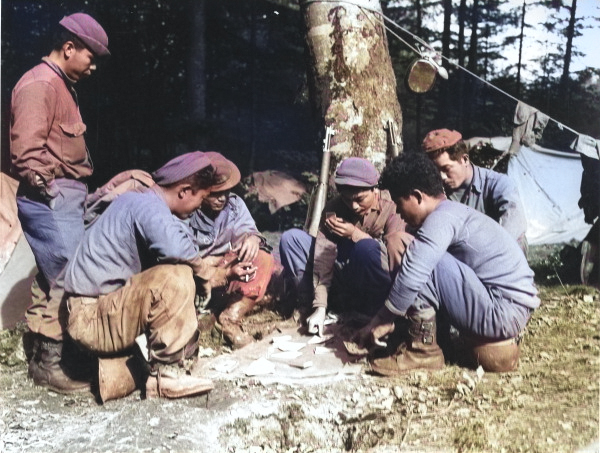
(50, 158)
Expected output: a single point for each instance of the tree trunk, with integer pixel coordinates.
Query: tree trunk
(521, 37)
(351, 80)
(197, 65)
(564, 79)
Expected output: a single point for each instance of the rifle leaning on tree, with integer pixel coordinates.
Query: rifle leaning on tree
(319, 196)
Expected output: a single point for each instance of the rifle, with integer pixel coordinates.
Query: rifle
(319, 196)
(392, 140)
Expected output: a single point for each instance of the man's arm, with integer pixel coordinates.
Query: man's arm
(33, 108)
(422, 256)
(506, 202)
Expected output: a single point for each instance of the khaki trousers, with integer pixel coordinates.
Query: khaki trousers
(158, 302)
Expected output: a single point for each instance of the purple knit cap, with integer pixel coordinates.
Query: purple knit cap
(180, 168)
(356, 172)
(89, 31)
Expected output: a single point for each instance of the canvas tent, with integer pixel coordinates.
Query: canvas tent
(549, 184)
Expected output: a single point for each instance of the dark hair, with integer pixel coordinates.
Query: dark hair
(202, 179)
(62, 36)
(411, 171)
(455, 152)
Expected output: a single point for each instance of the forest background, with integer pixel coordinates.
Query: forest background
(231, 76)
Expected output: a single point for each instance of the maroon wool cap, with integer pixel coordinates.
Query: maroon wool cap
(180, 168)
(89, 31)
(227, 174)
(356, 172)
(440, 139)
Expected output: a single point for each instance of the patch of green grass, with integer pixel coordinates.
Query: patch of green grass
(471, 437)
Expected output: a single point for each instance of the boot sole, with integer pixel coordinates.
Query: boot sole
(387, 372)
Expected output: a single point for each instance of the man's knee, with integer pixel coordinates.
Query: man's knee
(367, 251)
(292, 239)
(177, 278)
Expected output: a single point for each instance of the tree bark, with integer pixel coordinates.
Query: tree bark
(351, 80)
(197, 64)
(564, 79)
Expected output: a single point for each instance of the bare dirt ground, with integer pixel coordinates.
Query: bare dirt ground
(551, 404)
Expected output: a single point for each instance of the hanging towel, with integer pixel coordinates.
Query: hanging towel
(586, 145)
(529, 125)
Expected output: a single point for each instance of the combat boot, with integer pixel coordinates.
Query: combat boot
(230, 320)
(172, 381)
(47, 369)
(419, 351)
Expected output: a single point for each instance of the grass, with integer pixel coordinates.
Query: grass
(550, 404)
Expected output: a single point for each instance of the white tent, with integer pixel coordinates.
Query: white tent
(549, 184)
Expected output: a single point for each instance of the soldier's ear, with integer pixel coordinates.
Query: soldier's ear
(418, 195)
(68, 49)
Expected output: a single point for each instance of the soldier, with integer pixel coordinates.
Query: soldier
(133, 274)
(460, 263)
(227, 237)
(359, 240)
(488, 191)
(51, 161)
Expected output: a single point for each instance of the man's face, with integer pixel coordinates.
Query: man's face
(80, 63)
(216, 201)
(411, 209)
(454, 173)
(358, 199)
(188, 201)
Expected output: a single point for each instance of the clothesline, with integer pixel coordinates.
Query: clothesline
(424, 43)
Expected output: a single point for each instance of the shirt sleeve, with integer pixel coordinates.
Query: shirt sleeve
(33, 107)
(424, 252)
(508, 206)
(244, 223)
(168, 239)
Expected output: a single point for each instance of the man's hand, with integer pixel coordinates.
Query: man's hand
(244, 271)
(316, 321)
(249, 247)
(340, 227)
(378, 328)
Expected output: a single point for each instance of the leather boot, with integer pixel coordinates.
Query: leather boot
(47, 369)
(419, 352)
(172, 381)
(231, 322)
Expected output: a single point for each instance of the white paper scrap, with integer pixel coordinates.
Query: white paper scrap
(317, 339)
(289, 346)
(287, 355)
(260, 367)
(281, 338)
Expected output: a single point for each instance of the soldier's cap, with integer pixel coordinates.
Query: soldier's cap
(227, 174)
(88, 31)
(356, 172)
(180, 168)
(440, 139)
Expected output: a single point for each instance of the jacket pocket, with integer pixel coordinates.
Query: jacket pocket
(73, 146)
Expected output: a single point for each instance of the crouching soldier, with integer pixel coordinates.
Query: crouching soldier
(360, 239)
(461, 264)
(227, 237)
(488, 191)
(133, 274)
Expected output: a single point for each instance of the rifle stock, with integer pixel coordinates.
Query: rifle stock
(319, 197)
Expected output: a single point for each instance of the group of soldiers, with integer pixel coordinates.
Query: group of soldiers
(128, 285)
